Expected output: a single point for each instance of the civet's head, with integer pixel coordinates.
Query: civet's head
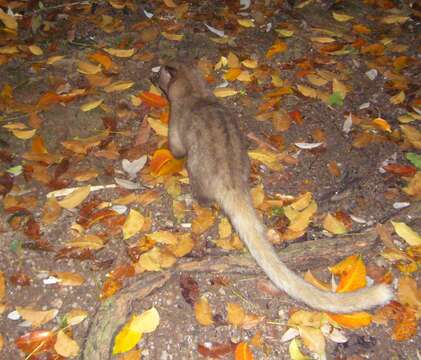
(178, 81)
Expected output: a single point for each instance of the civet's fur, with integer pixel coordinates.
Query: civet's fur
(205, 131)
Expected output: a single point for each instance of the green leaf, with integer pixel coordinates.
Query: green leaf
(414, 159)
(336, 99)
(277, 211)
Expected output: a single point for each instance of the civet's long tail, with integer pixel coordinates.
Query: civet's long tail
(252, 232)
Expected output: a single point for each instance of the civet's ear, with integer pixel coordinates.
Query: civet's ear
(166, 75)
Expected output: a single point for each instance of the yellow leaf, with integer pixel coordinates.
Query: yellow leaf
(333, 225)
(413, 135)
(8, 20)
(36, 317)
(54, 59)
(306, 318)
(88, 68)
(267, 157)
(8, 50)
(355, 278)
(184, 245)
(316, 80)
(163, 237)
(339, 87)
(224, 228)
(224, 92)
(24, 134)
(173, 37)
(341, 17)
(66, 346)
(158, 126)
(75, 316)
(133, 224)
(313, 339)
(91, 105)
(118, 86)
(247, 23)
(35, 50)
(126, 339)
(409, 294)
(250, 63)
(302, 201)
(75, 198)
(235, 314)
(67, 278)
(295, 352)
(122, 53)
(2, 286)
(322, 39)
(150, 260)
(382, 124)
(406, 233)
(147, 322)
(399, 98)
(307, 91)
(351, 321)
(232, 74)
(303, 219)
(203, 221)
(394, 19)
(203, 312)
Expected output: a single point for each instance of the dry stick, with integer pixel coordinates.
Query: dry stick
(261, 142)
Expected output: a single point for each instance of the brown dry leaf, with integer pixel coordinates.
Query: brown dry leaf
(172, 37)
(158, 126)
(203, 312)
(150, 260)
(334, 225)
(276, 48)
(235, 314)
(224, 92)
(316, 80)
(66, 346)
(281, 120)
(131, 355)
(334, 168)
(406, 326)
(409, 294)
(67, 278)
(36, 317)
(1, 342)
(397, 99)
(307, 318)
(414, 186)
(232, 61)
(413, 135)
(307, 91)
(91, 105)
(133, 224)
(203, 221)
(179, 210)
(51, 211)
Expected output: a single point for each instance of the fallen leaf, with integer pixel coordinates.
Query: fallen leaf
(334, 225)
(203, 312)
(406, 233)
(133, 224)
(235, 314)
(66, 346)
(36, 317)
(351, 321)
(295, 352)
(75, 198)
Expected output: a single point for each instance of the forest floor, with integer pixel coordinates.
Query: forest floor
(328, 96)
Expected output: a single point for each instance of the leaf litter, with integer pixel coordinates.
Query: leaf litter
(77, 128)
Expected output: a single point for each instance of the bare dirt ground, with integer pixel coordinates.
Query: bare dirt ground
(331, 104)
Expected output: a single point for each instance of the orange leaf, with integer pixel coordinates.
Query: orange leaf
(163, 163)
(110, 287)
(353, 279)
(243, 352)
(102, 59)
(165, 117)
(406, 326)
(401, 170)
(38, 146)
(276, 48)
(232, 74)
(37, 341)
(343, 266)
(352, 321)
(152, 99)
